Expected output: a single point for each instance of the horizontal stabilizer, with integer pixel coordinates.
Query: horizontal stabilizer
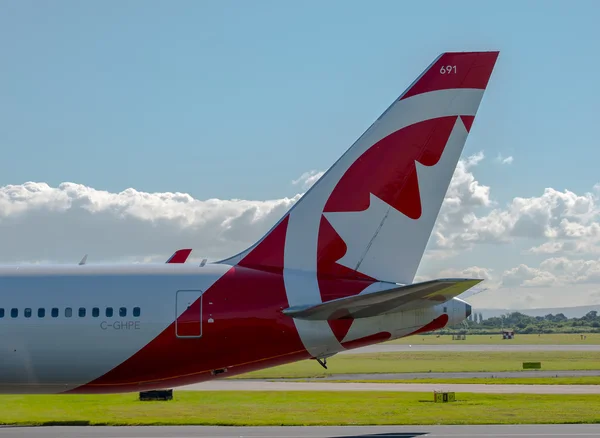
(396, 299)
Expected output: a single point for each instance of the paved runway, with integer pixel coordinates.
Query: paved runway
(391, 348)
(459, 375)
(518, 431)
(263, 385)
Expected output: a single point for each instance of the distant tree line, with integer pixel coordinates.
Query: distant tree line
(520, 323)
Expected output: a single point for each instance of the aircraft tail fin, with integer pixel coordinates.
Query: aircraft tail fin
(370, 216)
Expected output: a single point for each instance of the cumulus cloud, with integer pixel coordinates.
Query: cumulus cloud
(307, 179)
(464, 190)
(464, 197)
(547, 248)
(60, 224)
(574, 271)
(525, 276)
(39, 222)
(560, 222)
(555, 271)
(570, 223)
(478, 272)
(470, 272)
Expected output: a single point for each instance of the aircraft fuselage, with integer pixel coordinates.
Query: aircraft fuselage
(95, 329)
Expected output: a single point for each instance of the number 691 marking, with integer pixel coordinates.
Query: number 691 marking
(448, 69)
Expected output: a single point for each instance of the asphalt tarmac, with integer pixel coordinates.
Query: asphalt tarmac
(264, 385)
(517, 431)
(392, 348)
(458, 375)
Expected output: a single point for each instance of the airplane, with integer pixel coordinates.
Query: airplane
(335, 273)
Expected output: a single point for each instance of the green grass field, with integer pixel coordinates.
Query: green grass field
(550, 339)
(298, 408)
(432, 361)
(487, 381)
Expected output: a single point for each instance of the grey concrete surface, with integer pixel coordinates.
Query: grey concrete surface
(555, 431)
(391, 348)
(264, 385)
(458, 375)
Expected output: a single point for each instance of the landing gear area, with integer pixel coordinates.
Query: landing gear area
(323, 362)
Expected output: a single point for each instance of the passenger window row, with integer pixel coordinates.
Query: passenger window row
(68, 312)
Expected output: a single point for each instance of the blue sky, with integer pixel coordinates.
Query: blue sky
(234, 100)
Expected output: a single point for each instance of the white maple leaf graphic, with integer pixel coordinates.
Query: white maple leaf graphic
(385, 244)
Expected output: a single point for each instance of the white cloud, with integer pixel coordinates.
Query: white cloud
(502, 160)
(60, 224)
(39, 222)
(574, 271)
(525, 276)
(566, 221)
(556, 223)
(307, 179)
(464, 197)
(555, 271)
(485, 274)
(547, 248)
(464, 190)
(470, 272)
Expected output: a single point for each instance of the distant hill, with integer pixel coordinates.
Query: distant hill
(569, 312)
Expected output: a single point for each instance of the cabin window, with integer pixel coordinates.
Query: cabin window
(27, 313)
(445, 310)
(109, 312)
(123, 312)
(95, 312)
(54, 312)
(14, 313)
(136, 311)
(82, 312)
(68, 312)
(1, 313)
(41, 312)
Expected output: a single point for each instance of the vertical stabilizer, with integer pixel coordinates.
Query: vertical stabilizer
(371, 215)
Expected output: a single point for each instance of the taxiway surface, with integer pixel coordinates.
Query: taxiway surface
(392, 348)
(264, 385)
(449, 375)
(517, 431)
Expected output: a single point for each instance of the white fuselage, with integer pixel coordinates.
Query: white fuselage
(56, 335)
